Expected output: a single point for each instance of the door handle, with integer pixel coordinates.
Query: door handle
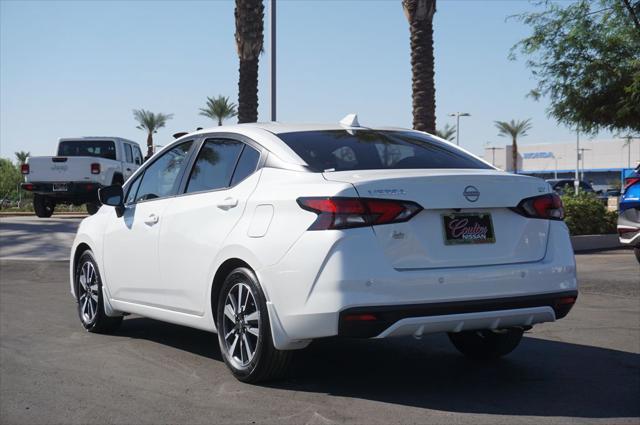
(228, 203)
(152, 219)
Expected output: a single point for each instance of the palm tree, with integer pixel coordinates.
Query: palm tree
(219, 109)
(514, 129)
(249, 16)
(447, 133)
(150, 122)
(22, 156)
(419, 13)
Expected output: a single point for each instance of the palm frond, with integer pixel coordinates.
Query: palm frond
(150, 121)
(219, 109)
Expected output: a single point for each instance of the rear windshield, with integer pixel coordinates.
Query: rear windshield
(100, 148)
(342, 150)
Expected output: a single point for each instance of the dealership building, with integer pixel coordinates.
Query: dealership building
(604, 163)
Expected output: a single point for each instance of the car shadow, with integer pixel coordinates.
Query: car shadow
(541, 378)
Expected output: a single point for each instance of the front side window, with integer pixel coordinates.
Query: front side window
(137, 155)
(97, 148)
(160, 179)
(214, 166)
(342, 150)
(133, 189)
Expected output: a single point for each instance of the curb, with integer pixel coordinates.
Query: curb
(595, 242)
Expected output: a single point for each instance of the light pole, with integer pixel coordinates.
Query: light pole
(493, 150)
(458, 115)
(581, 156)
(272, 57)
(576, 182)
(555, 174)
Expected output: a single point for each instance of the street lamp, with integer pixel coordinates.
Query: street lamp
(493, 150)
(458, 115)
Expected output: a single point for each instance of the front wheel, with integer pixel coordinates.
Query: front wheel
(43, 206)
(90, 297)
(487, 344)
(244, 332)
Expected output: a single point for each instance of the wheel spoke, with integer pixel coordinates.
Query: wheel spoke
(229, 334)
(252, 317)
(239, 297)
(83, 281)
(247, 346)
(84, 304)
(253, 331)
(94, 297)
(230, 312)
(232, 347)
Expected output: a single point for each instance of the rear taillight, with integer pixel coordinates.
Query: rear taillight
(345, 213)
(629, 181)
(95, 168)
(547, 207)
(24, 168)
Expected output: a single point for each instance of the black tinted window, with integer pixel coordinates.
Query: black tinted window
(214, 166)
(372, 150)
(98, 148)
(160, 178)
(246, 165)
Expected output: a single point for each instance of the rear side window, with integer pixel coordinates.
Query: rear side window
(247, 164)
(160, 179)
(128, 153)
(341, 150)
(214, 166)
(97, 148)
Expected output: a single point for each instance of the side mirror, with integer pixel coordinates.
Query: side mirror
(112, 196)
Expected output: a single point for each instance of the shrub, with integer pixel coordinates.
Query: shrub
(587, 215)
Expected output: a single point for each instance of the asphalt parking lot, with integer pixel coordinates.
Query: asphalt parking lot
(585, 368)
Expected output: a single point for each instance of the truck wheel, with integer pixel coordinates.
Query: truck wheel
(43, 206)
(92, 208)
(486, 344)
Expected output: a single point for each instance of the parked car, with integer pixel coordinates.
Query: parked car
(561, 185)
(274, 235)
(629, 212)
(80, 168)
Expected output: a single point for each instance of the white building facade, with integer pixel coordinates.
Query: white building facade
(602, 162)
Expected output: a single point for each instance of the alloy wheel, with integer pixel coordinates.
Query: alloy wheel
(241, 325)
(88, 292)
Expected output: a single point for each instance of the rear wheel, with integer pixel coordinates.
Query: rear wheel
(43, 206)
(90, 298)
(244, 332)
(637, 252)
(92, 208)
(487, 344)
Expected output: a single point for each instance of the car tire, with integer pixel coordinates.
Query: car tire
(636, 250)
(43, 206)
(244, 334)
(92, 208)
(90, 299)
(487, 344)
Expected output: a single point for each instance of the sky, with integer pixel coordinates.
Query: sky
(79, 68)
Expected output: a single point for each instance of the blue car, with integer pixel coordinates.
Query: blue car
(629, 212)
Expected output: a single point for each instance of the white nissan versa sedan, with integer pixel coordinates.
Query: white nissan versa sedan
(273, 235)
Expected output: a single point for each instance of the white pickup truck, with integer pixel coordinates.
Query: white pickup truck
(81, 167)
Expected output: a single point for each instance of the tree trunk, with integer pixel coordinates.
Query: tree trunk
(149, 145)
(219, 121)
(420, 16)
(248, 91)
(514, 155)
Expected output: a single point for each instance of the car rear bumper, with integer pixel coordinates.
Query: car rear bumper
(350, 273)
(456, 316)
(76, 191)
(629, 226)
